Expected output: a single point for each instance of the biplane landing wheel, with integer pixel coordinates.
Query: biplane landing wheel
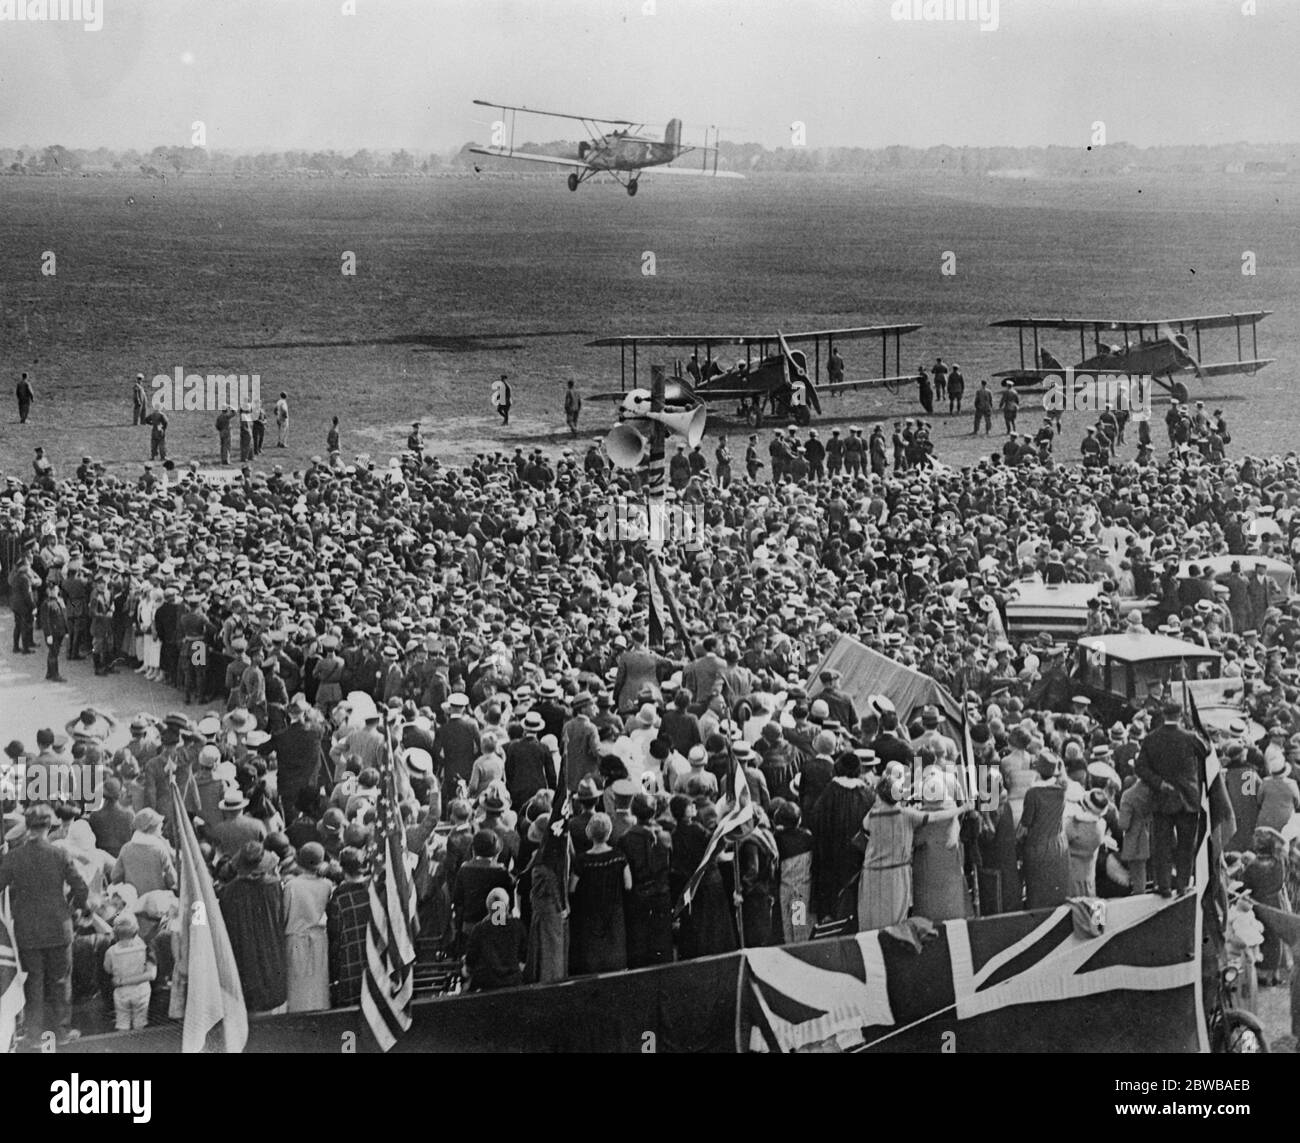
(802, 416)
(631, 187)
(573, 182)
(753, 416)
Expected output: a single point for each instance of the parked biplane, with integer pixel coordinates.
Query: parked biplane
(1161, 350)
(773, 379)
(615, 149)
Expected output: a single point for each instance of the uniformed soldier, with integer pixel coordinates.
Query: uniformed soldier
(722, 470)
(752, 463)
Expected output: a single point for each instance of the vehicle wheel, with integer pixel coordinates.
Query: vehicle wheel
(573, 182)
(1243, 1035)
(751, 416)
(802, 416)
(631, 187)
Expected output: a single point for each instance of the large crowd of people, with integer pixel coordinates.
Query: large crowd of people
(483, 634)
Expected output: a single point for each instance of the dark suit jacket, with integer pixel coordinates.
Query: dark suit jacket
(841, 707)
(54, 620)
(529, 768)
(1170, 763)
(817, 772)
(37, 871)
(298, 751)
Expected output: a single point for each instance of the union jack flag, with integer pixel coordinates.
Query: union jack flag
(740, 811)
(11, 977)
(1051, 980)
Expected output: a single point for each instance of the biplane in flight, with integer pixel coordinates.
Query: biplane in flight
(773, 380)
(615, 149)
(1158, 348)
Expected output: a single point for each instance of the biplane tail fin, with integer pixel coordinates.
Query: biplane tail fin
(673, 133)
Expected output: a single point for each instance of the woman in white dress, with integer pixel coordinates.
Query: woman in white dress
(149, 647)
(307, 942)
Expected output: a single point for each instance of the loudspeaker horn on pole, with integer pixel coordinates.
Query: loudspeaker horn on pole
(688, 423)
(627, 447)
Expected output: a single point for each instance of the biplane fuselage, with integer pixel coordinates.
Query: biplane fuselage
(619, 152)
(1146, 359)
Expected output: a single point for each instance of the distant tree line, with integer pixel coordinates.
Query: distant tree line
(1114, 158)
(173, 161)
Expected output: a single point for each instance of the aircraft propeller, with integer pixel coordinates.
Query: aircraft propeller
(1181, 350)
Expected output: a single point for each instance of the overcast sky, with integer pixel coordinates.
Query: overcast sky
(282, 74)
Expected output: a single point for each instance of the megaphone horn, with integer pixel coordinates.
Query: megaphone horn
(688, 423)
(626, 447)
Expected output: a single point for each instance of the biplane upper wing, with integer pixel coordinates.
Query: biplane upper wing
(558, 114)
(848, 333)
(1140, 325)
(553, 160)
(671, 339)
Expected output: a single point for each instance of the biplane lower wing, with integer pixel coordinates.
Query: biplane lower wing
(552, 160)
(1223, 368)
(1216, 369)
(890, 383)
(662, 170)
(709, 396)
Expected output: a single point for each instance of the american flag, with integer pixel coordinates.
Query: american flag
(11, 977)
(389, 979)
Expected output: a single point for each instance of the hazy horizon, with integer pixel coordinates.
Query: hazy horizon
(302, 75)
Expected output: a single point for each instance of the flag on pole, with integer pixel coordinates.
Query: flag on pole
(660, 621)
(206, 991)
(968, 758)
(740, 811)
(12, 977)
(1217, 819)
(663, 603)
(389, 980)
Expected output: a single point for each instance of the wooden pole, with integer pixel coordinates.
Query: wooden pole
(654, 484)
